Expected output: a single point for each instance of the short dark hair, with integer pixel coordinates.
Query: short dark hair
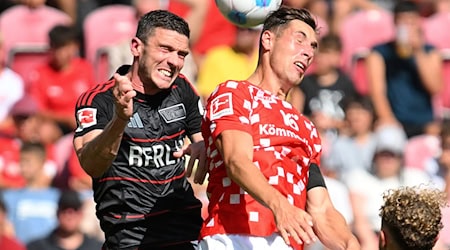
(406, 6)
(359, 101)
(61, 35)
(69, 199)
(34, 147)
(330, 42)
(161, 19)
(279, 19)
(282, 16)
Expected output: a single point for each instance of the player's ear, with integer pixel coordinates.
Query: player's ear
(267, 38)
(382, 240)
(136, 46)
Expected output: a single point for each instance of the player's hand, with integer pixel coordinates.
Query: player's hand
(295, 224)
(196, 151)
(123, 93)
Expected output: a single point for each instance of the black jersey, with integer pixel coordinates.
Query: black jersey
(144, 198)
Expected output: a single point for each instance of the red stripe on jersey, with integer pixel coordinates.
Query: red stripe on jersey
(142, 180)
(82, 99)
(89, 95)
(167, 137)
(104, 88)
(139, 216)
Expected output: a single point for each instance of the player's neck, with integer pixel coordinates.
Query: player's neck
(268, 81)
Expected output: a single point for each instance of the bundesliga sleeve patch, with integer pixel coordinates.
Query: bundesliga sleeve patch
(221, 106)
(86, 117)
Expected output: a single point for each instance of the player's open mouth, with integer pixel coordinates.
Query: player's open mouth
(300, 65)
(166, 73)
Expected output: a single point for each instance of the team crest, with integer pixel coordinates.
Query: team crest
(173, 113)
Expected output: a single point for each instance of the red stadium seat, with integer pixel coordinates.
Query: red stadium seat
(420, 150)
(359, 32)
(24, 60)
(107, 26)
(22, 26)
(442, 101)
(435, 32)
(358, 73)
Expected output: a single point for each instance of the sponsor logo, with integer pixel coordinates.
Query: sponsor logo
(86, 117)
(135, 121)
(157, 156)
(272, 130)
(221, 106)
(173, 113)
(290, 120)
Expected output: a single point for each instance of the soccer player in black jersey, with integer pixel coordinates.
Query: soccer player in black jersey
(130, 139)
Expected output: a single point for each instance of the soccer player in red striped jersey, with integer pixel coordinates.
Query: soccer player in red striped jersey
(264, 156)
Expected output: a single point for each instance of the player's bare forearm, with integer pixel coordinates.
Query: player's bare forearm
(329, 225)
(334, 232)
(237, 152)
(97, 149)
(236, 148)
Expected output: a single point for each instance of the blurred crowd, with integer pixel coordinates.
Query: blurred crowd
(378, 91)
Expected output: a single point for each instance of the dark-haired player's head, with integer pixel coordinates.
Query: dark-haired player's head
(161, 19)
(159, 49)
(287, 45)
(278, 20)
(411, 218)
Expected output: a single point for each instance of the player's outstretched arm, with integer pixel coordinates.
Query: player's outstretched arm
(97, 149)
(236, 148)
(329, 224)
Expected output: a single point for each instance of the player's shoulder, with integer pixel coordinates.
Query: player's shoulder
(231, 86)
(100, 92)
(182, 81)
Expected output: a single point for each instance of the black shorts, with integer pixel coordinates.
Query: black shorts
(177, 229)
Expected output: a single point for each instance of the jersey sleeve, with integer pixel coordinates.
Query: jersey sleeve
(229, 108)
(94, 109)
(193, 105)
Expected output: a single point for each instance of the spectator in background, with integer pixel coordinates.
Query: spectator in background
(404, 74)
(224, 62)
(67, 235)
(355, 145)
(28, 129)
(11, 90)
(32, 209)
(8, 240)
(411, 218)
(59, 82)
(32, 20)
(367, 186)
